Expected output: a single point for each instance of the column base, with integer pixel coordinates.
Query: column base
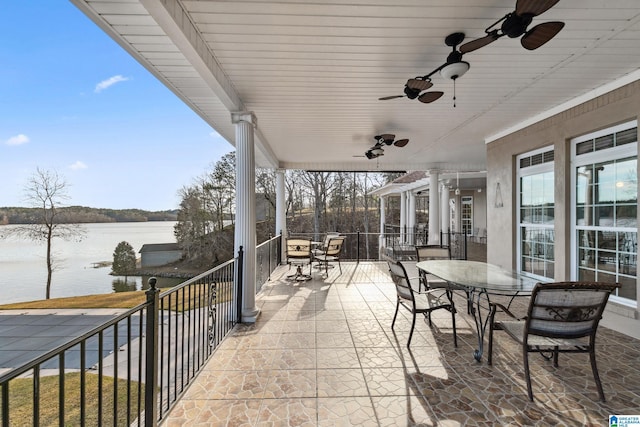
(250, 315)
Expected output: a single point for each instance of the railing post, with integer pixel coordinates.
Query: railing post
(239, 282)
(269, 255)
(465, 245)
(358, 247)
(151, 356)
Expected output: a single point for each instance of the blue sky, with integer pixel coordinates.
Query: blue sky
(73, 101)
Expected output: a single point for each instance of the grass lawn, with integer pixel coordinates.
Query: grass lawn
(179, 301)
(21, 402)
(113, 300)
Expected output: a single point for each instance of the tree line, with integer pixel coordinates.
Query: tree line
(84, 215)
(316, 202)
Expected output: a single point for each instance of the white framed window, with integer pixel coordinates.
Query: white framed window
(466, 215)
(605, 208)
(536, 213)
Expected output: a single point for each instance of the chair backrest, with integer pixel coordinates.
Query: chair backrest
(401, 280)
(298, 248)
(328, 237)
(429, 252)
(567, 309)
(334, 247)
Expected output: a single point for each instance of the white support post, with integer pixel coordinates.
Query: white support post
(245, 231)
(444, 208)
(434, 209)
(411, 211)
(281, 210)
(382, 222)
(403, 216)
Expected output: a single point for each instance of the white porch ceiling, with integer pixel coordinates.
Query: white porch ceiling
(312, 71)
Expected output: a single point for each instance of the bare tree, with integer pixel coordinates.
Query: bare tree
(46, 191)
(192, 219)
(321, 185)
(266, 186)
(223, 185)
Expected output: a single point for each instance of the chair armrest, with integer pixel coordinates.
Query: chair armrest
(413, 281)
(494, 306)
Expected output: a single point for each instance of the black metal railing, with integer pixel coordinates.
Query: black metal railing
(98, 378)
(402, 246)
(396, 236)
(358, 246)
(194, 317)
(268, 257)
(457, 242)
(132, 369)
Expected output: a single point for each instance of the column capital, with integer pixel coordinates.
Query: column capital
(244, 116)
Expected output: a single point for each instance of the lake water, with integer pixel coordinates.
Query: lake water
(23, 269)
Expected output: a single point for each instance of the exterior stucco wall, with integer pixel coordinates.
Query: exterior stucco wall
(618, 106)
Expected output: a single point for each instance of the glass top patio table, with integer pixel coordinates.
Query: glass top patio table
(480, 280)
(480, 276)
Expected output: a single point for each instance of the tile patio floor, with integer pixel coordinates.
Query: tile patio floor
(322, 353)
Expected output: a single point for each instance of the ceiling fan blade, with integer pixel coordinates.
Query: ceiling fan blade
(385, 98)
(385, 138)
(534, 7)
(428, 97)
(540, 34)
(478, 43)
(417, 84)
(401, 142)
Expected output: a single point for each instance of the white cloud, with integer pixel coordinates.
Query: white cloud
(78, 165)
(109, 82)
(215, 135)
(17, 140)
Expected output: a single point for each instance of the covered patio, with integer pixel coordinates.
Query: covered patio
(323, 86)
(300, 85)
(323, 353)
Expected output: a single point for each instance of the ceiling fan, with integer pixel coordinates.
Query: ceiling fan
(452, 69)
(513, 24)
(381, 140)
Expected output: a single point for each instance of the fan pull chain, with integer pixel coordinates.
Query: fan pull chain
(454, 93)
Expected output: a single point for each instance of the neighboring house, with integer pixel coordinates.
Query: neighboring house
(154, 255)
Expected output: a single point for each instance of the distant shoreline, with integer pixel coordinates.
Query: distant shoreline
(85, 215)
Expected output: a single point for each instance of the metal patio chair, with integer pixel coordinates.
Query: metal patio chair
(562, 318)
(299, 255)
(429, 281)
(419, 302)
(331, 253)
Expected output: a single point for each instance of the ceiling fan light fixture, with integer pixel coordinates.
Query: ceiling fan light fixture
(454, 70)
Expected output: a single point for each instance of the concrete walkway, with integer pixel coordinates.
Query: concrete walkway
(28, 334)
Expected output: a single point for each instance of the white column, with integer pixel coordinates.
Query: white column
(382, 221)
(281, 210)
(444, 208)
(403, 215)
(434, 209)
(411, 222)
(245, 232)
